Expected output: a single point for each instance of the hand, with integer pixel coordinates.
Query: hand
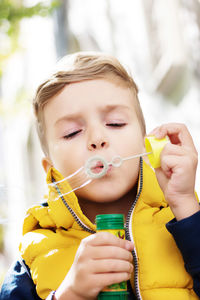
(102, 259)
(176, 176)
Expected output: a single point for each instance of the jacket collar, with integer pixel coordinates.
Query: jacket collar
(66, 211)
(73, 215)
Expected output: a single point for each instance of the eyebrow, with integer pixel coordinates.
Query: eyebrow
(69, 117)
(106, 109)
(109, 107)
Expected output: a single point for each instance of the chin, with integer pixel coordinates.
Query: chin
(109, 189)
(100, 195)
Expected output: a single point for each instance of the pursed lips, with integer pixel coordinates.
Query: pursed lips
(99, 166)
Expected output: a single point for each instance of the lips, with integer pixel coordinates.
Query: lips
(97, 168)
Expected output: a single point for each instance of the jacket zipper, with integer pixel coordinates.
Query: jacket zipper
(80, 223)
(130, 237)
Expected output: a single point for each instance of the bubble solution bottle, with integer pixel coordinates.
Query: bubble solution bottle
(113, 223)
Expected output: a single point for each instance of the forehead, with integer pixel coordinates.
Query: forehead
(90, 94)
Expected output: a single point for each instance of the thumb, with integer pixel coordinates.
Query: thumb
(162, 178)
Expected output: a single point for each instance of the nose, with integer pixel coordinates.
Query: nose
(97, 143)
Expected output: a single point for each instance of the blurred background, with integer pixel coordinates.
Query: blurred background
(158, 41)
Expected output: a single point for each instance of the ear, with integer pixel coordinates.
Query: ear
(46, 163)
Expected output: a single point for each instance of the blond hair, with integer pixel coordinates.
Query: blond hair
(78, 67)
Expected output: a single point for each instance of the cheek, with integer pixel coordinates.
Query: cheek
(65, 159)
(132, 144)
(55, 151)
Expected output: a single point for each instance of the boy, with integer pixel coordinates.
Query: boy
(90, 107)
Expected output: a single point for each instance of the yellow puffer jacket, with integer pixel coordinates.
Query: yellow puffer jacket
(52, 234)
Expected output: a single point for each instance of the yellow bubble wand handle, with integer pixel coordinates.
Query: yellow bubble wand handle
(154, 148)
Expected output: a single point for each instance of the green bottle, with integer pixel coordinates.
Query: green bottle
(113, 223)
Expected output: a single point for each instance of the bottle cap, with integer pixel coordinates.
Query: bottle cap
(155, 146)
(109, 221)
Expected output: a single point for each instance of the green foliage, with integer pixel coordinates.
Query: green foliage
(11, 13)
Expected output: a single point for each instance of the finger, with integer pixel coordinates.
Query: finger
(106, 239)
(177, 132)
(163, 177)
(106, 279)
(160, 132)
(178, 164)
(153, 132)
(106, 252)
(178, 151)
(112, 265)
(171, 149)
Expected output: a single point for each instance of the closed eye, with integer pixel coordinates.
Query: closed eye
(72, 134)
(116, 124)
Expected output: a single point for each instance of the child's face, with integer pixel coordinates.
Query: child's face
(94, 117)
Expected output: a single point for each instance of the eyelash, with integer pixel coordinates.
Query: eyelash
(72, 134)
(116, 124)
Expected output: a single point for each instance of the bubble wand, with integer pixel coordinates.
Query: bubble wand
(97, 166)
